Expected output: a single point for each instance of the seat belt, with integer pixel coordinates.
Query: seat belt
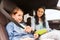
(9, 17)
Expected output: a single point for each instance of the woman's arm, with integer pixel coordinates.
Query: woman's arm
(33, 23)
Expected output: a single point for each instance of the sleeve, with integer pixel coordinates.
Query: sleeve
(33, 23)
(9, 29)
(15, 33)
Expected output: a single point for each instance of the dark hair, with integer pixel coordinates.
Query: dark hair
(42, 17)
(28, 21)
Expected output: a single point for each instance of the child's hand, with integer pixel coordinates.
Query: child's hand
(28, 29)
(36, 36)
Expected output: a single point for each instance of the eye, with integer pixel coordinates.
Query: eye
(42, 12)
(19, 15)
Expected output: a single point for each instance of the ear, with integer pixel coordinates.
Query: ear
(13, 16)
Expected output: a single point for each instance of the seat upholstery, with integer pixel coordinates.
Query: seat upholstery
(7, 5)
(3, 22)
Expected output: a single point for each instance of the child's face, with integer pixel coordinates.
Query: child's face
(40, 12)
(18, 16)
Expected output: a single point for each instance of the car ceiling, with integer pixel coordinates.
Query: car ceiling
(28, 5)
(33, 4)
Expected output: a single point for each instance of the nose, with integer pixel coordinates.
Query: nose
(20, 18)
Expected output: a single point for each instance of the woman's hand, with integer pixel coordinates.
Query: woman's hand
(28, 29)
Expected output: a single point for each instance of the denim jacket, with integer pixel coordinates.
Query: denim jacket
(15, 32)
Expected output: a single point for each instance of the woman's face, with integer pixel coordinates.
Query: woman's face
(18, 16)
(40, 12)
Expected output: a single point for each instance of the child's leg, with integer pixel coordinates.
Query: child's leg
(26, 39)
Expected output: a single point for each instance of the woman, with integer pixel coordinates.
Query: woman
(39, 22)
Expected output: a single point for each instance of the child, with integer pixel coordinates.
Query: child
(14, 31)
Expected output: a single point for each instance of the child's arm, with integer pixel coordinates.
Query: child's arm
(28, 29)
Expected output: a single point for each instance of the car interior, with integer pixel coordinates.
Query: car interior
(8, 5)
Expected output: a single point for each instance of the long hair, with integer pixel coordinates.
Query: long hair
(42, 17)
